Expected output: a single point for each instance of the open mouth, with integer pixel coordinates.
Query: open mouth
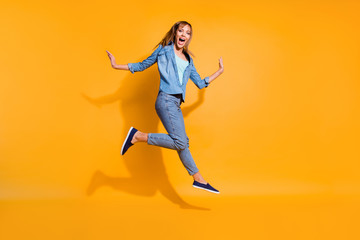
(182, 40)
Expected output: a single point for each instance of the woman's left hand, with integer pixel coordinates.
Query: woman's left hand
(221, 65)
(218, 72)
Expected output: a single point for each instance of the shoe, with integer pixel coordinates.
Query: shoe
(127, 143)
(206, 187)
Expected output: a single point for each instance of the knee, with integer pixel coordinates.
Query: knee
(181, 143)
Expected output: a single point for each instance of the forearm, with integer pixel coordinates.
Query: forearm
(120, 66)
(216, 74)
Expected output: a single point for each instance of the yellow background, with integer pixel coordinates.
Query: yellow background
(277, 133)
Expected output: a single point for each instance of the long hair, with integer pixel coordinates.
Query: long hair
(170, 36)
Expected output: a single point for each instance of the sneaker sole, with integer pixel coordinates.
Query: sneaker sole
(206, 189)
(122, 148)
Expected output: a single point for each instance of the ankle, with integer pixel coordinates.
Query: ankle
(135, 138)
(201, 181)
(139, 137)
(197, 177)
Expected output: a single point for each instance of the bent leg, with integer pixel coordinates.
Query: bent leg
(169, 112)
(188, 161)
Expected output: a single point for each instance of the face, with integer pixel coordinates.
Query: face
(183, 34)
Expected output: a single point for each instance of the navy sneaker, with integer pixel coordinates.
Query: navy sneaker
(127, 143)
(206, 187)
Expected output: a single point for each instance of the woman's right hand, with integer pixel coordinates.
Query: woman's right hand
(112, 59)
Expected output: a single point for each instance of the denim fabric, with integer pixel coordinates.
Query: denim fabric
(169, 111)
(169, 77)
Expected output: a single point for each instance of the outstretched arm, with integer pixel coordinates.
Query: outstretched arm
(201, 83)
(114, 65)
(218, 72)
(136, 67)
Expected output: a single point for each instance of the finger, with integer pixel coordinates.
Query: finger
(110, 55)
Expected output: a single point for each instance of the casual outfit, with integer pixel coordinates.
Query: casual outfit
(174, 75)
(169, 77)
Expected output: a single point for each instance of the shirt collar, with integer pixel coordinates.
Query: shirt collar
(171, 43)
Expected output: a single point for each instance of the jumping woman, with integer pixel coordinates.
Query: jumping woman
(175, 67)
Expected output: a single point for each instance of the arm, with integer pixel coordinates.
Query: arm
(113, 63)
(218, 72)
(201, 83)
(136, 67)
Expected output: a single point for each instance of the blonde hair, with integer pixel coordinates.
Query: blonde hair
(170, 36)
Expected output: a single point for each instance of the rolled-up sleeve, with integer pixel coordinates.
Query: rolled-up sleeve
(148, 62)
(195, 77)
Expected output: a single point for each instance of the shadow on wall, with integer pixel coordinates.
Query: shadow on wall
(137, 95)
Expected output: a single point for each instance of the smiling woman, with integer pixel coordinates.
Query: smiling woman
(176, 67)
(181, 33)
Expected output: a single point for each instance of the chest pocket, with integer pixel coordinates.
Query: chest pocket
(164, 59)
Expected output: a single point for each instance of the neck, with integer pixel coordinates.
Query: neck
(180, 50)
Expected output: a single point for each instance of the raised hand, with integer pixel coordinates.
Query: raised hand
(218, 72)
(112, 58)
(221, 65)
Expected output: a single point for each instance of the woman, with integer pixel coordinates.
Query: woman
(175, 67)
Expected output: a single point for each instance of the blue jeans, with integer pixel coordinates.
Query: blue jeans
(168, 109)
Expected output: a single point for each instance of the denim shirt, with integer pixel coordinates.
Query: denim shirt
(169, 77)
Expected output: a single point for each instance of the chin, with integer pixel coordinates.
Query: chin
(180, 46)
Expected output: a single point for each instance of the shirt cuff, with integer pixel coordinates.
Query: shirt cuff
(207, 81)
(130, 65)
